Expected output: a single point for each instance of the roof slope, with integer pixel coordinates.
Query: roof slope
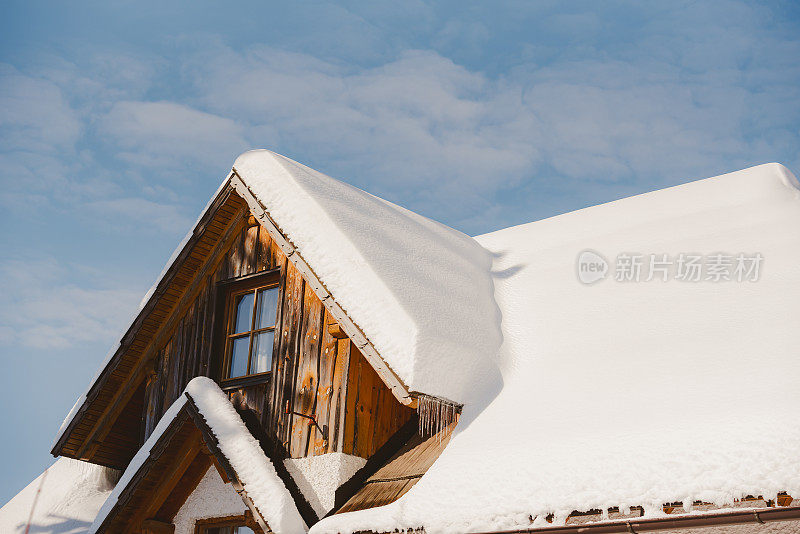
(71, 494)
(420, 291)
(622, 394)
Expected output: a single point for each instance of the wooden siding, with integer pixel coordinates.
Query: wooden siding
(322, 395)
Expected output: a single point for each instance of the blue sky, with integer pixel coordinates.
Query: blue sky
(119, 119)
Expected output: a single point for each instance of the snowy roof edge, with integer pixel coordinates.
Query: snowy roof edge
(262, 489)
(356, 334)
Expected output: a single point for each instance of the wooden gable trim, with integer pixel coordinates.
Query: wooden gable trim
(231, 520)
(195, 448)
(350, 328)
(121, 376)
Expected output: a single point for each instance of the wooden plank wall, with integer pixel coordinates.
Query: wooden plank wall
(313, 373)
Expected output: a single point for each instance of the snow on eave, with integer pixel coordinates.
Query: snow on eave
(69, 420)
(353, 331)
(413, 294)
(260, 485)
(256, 473)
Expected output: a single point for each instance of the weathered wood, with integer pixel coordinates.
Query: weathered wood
(152, 526)
(169, 479)
(292, 350)
(353, 331)
(319, 443)
(313, 366)
(306, 388)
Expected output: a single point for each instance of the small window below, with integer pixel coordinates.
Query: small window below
(251, 311)
(227, 530)
(243, 524)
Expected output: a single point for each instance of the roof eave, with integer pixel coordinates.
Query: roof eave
(353, 331)
(155, 291)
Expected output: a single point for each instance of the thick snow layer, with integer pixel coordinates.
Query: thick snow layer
(211, 498)
(254, 469)
(419, 290)
(638, 393)
(318, 477)
(71, 495)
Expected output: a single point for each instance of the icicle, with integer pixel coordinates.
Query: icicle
(435, 415)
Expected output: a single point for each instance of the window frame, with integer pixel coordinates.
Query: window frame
(246, 520)
(227, 290)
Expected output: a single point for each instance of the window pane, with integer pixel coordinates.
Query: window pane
(262, 353)
(244, 530)
(239, 356)
(267, 308)
(243, 308)
(217, 530)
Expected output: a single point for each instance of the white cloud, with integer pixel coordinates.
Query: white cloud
(168, 134)
(34, 115)
(139, 212)
(42, 307)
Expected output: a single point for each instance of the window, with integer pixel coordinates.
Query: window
(242, 524)
(227, 530)
(251, 311)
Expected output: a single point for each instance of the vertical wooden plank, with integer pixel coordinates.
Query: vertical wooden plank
(190, 325)
(327, 364)
(235, 256)
(263, 256)
(296, 317)
(249, 252)
(172, 376)
(350, 418)
(286, 372)
(365, 410)
(275, 404)
(308, 362)
(339, 396)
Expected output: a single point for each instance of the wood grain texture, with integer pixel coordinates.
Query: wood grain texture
(315, 371)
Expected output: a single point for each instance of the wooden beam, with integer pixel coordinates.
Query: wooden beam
(110, 413)
(184, 458)
(152, 526)
(335, 330)
(106, 419)
(215, 462)
(392, 381)
(130, 335)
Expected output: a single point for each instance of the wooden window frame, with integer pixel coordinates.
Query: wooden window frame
(245, 520)
(226, 291)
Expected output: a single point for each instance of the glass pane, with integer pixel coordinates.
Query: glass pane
(244, 313)
(244, 530)
(262, 353)
(267, 308)
(239, 356)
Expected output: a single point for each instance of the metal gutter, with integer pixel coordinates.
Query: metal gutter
(634, 526)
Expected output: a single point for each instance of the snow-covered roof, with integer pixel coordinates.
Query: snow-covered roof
(253, 469)
(420, 291)
(62, 500)
(577, 396)
(629, 393)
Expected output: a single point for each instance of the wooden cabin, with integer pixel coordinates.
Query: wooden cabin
(309, 351)
(234, 306)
